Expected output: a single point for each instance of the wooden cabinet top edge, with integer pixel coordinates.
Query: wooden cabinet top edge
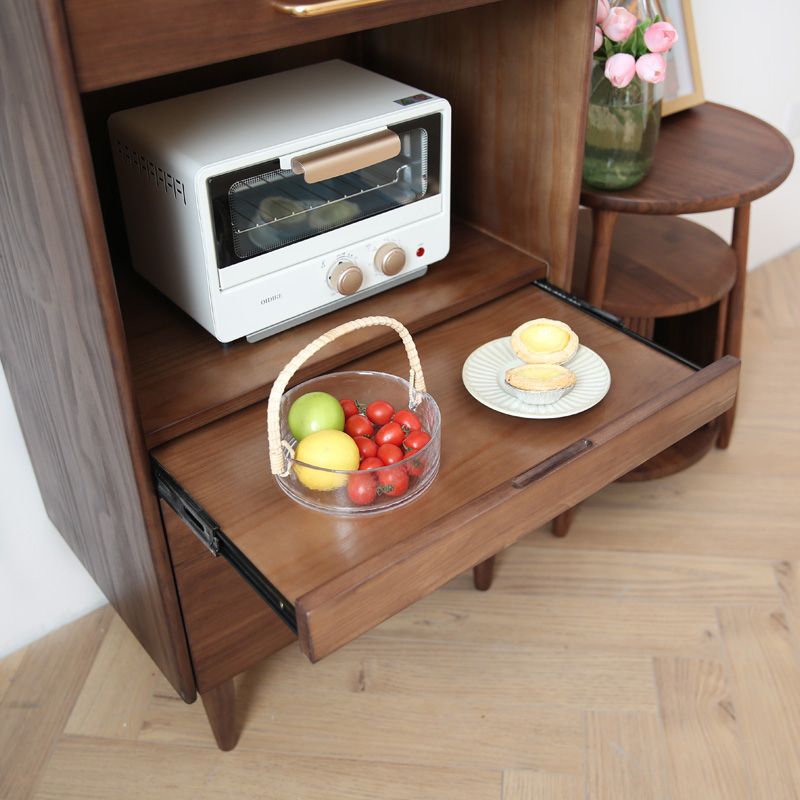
(121, 42)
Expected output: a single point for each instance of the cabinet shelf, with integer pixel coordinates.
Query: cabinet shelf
(185, 379)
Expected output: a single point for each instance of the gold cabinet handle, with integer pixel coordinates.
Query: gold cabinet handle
(321, 8)
(331, 162)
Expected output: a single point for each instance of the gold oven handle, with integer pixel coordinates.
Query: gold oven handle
(331, 162)
(320, 8)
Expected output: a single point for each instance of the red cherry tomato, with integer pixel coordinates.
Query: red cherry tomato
(390, 454)
(366, 447)
(362, 488)
(416, 440)
(391, 433)
(379, 412)
(393, 482)
(371, 463)
(349, 407)
(413, 463)
(407, 420)
(358, 425)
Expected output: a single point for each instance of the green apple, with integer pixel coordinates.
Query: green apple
(315, 411)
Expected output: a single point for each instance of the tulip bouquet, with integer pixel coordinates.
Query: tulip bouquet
(630, 47)
(624, 112)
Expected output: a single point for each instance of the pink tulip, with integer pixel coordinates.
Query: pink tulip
(651, 67)
(602, 10)
(620, 69)
(598, 38)
(619, 24)
(660, 37)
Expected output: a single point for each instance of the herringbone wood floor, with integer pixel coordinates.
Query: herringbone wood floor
(654, 653)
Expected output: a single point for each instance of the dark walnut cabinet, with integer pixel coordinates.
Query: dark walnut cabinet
(148, 438)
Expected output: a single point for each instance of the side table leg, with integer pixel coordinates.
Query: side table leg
(483, 574)
(644, 326)
(735, 320)
(220, 706)
(722, 322)
(603, 223)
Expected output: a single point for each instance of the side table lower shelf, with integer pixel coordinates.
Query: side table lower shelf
(659, 266)
(677, 458)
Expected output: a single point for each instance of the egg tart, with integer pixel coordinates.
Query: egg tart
(539, 384)
(544, 341)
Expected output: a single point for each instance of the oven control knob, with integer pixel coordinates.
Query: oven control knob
(346, 277)
(390, 259)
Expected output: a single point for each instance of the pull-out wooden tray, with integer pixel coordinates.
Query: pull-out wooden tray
(333, 578)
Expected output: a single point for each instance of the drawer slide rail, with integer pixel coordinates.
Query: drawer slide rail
(209, 533)
(195, 517)
(610, 319)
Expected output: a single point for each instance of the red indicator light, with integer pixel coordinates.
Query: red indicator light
(420, 252)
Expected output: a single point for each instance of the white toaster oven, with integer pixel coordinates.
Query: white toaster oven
(260, 205)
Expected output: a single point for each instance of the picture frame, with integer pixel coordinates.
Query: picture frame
(683, 87)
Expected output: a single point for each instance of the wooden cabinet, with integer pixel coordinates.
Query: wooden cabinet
(109, 379)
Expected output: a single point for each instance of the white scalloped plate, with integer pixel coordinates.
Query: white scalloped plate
(484, 374)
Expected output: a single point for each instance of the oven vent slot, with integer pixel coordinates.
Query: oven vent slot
(158, 177)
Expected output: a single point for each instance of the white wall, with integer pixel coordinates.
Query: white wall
(748, 60)
(43, 585)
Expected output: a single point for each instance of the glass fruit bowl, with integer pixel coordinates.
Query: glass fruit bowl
(347, 492)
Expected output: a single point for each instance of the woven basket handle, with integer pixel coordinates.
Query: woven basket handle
(416, 380)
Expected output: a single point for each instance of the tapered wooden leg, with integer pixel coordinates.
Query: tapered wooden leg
(562, 522)
(722, 323)
(644, 326)
(603, 223)
(735, 317)
(220, 706)
(483, 573)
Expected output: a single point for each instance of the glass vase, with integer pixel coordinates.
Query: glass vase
(621, 131)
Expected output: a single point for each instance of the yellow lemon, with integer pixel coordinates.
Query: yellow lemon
(330, 450)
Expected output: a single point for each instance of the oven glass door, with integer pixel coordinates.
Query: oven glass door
(264, 208)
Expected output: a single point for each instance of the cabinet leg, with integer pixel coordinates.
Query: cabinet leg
(220, 706)
(483, 573)
(733, 327)
(562, 523)
(603, 223)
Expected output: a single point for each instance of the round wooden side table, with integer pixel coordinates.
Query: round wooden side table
(638, 261)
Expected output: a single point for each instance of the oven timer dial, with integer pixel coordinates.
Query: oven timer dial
(390, 259)
(346, 277)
